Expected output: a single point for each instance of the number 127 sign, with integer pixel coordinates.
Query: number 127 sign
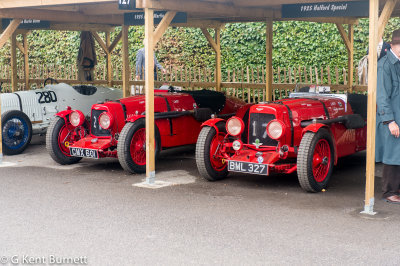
(127, 4)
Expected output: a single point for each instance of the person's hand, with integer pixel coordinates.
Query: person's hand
(137, 77)
(394, 129)
(164, 71)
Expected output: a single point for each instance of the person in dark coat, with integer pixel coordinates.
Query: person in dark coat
(387, 120)
(140, 62)
(383, 48)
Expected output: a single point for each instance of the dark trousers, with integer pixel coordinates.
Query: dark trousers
(390, 180)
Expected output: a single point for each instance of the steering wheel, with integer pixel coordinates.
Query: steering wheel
(171, 89)
(52, 81)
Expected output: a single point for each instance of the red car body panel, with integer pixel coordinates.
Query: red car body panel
(176, 131)
(291, 112)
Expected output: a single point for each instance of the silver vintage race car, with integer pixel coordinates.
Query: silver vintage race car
(25, 113)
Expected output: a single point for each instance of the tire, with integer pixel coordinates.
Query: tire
(207, 143)
(131, 146)
(16, 132)
(56, 134)
(315, 160)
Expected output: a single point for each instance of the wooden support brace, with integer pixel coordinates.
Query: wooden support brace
(210, 39)
(26, 61)
(100, 42)
(9, 31)
(344, 36)
(109, 62)
(20, 47)
(268, 71)
(115, 42)
(351, 57)
(162, 27)
(385, 16)
(14, 74)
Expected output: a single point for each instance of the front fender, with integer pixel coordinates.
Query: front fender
(134, 118)
(317, 126)
(313, 128)
(212, 123)
(64, 114)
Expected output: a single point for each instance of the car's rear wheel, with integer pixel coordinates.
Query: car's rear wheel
(131, 146)
(16, 132)
(58, 139)
(211, 166)
(315, 160)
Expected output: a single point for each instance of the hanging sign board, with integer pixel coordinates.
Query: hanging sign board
(137, 18)
(326, 9)
(127, 4)
(27, 24)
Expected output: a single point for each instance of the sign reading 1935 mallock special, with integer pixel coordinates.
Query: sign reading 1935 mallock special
(326, 9)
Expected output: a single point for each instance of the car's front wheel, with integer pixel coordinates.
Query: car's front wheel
(58, 139)
(210, 165)
(16, 132)
(131, 146)
(315, 160)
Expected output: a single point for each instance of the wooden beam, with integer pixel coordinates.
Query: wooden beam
(162, 27)
(115, 42)
(210, 39)
(344, 36)
(109, 61)
(149, 91)
(219, 9)
(81, 27)
(9, 31)
(100, 42)
(125, 61)
(218, 73)
(26, 3)
(350, 62)
(371, 114)
(26, 61)
(14, 74)
(338, 20)
(385, 16)
(60, 16)
(268, 66)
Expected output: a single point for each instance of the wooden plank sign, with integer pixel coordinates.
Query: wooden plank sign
(326, 9)
(27, 24)
(137, 18)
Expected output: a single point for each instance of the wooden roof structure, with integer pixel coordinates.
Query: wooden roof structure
(104, 14)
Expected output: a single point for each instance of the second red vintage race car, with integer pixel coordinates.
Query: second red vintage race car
(117, 128)
(306, 133)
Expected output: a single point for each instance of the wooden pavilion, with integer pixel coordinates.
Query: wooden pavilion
(103, 15)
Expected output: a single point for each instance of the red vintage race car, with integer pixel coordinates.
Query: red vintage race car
(306, 133)
(117, 128)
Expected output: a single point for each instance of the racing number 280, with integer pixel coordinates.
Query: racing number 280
(47, 97)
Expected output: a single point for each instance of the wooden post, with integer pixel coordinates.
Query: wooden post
(109, 62)
(26, 61)
(371, 120)
(3, 39)
(351, 57)
(218, 59)
(149, 91)
(125, 61)
(268, 72)
(14, 74)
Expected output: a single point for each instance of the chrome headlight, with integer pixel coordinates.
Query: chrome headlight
(275, 129)
(76, 118)
(234, 126)
(105, 120)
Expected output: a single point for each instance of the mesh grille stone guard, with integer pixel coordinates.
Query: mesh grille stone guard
(95, 128)
(257, 129)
